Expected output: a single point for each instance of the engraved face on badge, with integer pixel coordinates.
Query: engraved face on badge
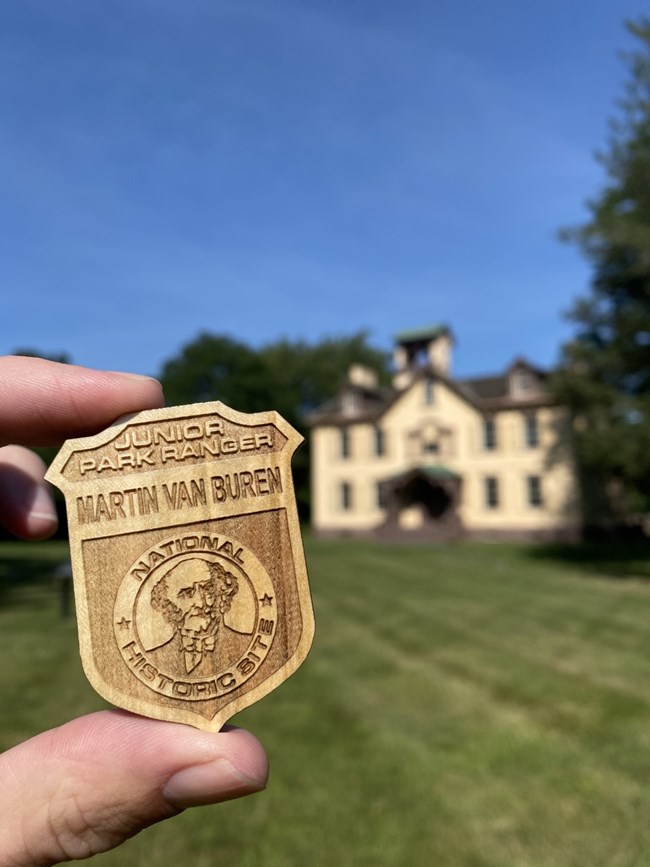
(193, 597)
(195, 616)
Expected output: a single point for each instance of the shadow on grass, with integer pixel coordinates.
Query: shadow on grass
(27, 568)
(611, 558)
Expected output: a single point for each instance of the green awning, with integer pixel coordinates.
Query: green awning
(436, 472)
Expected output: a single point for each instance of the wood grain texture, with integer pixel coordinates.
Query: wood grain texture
(190, 579)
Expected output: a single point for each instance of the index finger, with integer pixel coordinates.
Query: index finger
(44, 402)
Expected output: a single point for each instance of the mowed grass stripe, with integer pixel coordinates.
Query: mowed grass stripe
(523, 665)
(563, 655)
(596, 618)
(539, 688)
(477, 705)
(526, 698)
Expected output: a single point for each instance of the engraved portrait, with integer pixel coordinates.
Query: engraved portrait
(195, 616)
(194, 598)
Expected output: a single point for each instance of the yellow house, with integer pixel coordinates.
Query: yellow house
(435, 457)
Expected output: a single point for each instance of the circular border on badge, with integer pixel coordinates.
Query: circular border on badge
(136, 649)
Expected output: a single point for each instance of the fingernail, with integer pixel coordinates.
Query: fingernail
(136, 376)
(208, 784)
(42, 511)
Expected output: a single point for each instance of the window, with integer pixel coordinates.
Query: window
(345, 443)
(531, 431)
(380, 495)
(492, 492)
(489, 434)
(346, 496)
(429, 392)
(430, 447)
(380, 442)
(522, 381)
(534, 491)
(350, 402)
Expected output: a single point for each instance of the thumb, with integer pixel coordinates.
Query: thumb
(91, 784)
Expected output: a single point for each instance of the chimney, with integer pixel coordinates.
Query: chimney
(363, 377)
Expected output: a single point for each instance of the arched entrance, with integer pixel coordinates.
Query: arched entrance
(423, 503)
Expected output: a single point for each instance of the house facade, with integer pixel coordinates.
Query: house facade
(435, 457)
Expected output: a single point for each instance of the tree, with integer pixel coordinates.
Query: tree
(604, 376)
(292, 377)
(216, 367)
(60, 357)
(305, 375)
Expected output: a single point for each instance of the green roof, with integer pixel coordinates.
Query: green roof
(424, 332)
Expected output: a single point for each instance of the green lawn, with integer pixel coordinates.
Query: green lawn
(474, 705)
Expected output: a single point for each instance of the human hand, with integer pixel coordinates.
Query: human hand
(89, 785)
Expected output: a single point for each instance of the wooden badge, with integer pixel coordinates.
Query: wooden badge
(190, 579)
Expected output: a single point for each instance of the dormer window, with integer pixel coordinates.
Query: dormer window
(350, 402)
(523, 380)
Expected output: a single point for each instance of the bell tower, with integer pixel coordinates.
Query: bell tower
(422, 348)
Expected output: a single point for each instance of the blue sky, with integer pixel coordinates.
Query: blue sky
(298, 168)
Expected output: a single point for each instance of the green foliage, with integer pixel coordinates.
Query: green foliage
(60, 357)
(292, 377)
(305, 375)
(605, 372)
(216, 367)
(462, 705)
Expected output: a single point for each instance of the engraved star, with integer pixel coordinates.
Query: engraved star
(266, 599)
(124, 623)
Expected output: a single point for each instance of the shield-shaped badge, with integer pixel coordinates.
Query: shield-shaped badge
(190, 580)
